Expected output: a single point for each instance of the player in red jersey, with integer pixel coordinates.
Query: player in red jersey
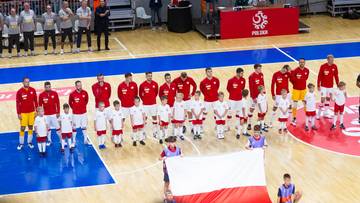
(280, 80)
(26, 104)
(184, 84)
(235, 86)
(148, 91)
(256, 79)
(78, 100)
(298, 78)
(209, 87)
(127, 91)
(102, 92)
(325, 83)
(49, 100)
(168, 89)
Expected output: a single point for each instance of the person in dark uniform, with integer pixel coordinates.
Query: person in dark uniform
(155, 6)
(102, 23)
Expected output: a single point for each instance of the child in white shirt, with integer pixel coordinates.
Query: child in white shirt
(310, 106)
(138, 117)
(41, 130)
(100, 124)
(164, 115)
(197, 110)
(243, 115)
(66, 128)
(117, 123)
(283, 105)
(179, 115)
(340, 98)
(262, 104)
(221, 109)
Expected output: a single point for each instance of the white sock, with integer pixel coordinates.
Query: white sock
(341, 118)
(43, 146)
(181, 131)
(29, 138)
(321, 108)
(59, 134)
(21, 139)
(74, 137)
(134, 136)
(244, 128)
(85, 135)
(273, 114)
(69, 140)
(165, 133)
(306, 121)
(103, 139)
(63, 143)
(99, 140)
(40, 147)
(335, 119)
(249, 118)
(262, 123)
(49, 135)
(312, 121)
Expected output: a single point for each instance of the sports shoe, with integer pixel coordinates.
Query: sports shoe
(107, 48)
(246, 134)
(54, 52)
(184, 129)
(90, 50)
(61, 51)
(134, 143)
(280, 131)
(237, 136)
(333, 127)
(72, 149)
(10, 56)
(62, 150)
(32, 53)
(285, 130)
(18, 55)
(182, 137)
(160, 141)
(26, 54)
(249, 127)
(48, 143)
(199, 137)
(306, 128)
(265, 129)
(195, 137)
(293, 122)
(314, 128)
(45, 52)
(30, 145)
(20, 146)
(342, 126)
(142, 142)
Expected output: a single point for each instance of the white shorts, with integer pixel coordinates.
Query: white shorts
(187, 105)
(209, 106)
(150, 110)
(278, 97)
(80, 121)
(126, 111)
(326, 92)
(52, 121)
(234, 106)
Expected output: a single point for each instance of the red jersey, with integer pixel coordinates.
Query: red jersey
(101, 93)
(78, 101)
(235, 86)
(127, 93)
(255, 80)
(49, 100)
(148, 92)
(279, 81)
(298, 78)
(210, 88)
(326, 75)
(169, 91)
(26, 100)
(183, 86)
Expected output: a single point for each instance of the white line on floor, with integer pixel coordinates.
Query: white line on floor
(124, 47)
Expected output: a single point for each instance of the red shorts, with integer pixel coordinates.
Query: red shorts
(66, 135)
(117, 132)
(220, 122)
(310, 113)
(163, 124)
(243, 119)
(282, 119)
(177, 121)
(101, 132)
(197, 122)
(41, 139)
(261, 115)
(339, 109)
(135, 127)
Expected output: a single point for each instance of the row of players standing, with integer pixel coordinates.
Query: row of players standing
(183, 88)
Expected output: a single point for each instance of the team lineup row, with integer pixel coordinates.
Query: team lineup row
(178, 104)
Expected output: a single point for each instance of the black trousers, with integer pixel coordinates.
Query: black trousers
(155, 12)
(28, 40)
(102, 29)
(79, 35)
(51, 34)
(66, 32)
(1, 44)
(14, 40)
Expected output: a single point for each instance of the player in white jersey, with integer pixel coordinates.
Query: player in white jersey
(41, 130)
(164, 116)
(138, 117)
(310, 106)
(243, 115)
(283, 103)
(221, 109)
(116, 119)
(261, 101)
(179, 115)
(197, 110)
(66, 124)
(339, 96)
(100, 121)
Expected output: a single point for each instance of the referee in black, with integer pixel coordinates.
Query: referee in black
(102, 23)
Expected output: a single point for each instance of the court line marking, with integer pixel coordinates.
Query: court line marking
(103, 161)
(124, 47)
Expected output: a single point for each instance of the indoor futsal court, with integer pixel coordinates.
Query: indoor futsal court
(220, 167)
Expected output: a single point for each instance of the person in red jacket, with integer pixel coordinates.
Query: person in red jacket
(256, 79)
(168, 89)
(184, 84)
(298, 78)
(26, 104)
(102, 92)
(235, 86)
(127, 91)
(325, 83)
(209, 87)
(49, 100)
(78, 100)
(280, 81)
(148, 91)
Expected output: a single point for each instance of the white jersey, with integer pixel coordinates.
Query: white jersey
(164, 112)
(283, 104)
(244, 106)
(339, 97)
(262, 102)
(100, 120)
(179, 111)
(40, 124)
(137, 113)
(310, 102)
(66, 122)
(197, 106)
(117, 119)
(221, 108)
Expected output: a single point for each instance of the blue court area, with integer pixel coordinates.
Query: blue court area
(24, 171)
(178, 62)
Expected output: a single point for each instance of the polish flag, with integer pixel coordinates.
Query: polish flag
(231, 178)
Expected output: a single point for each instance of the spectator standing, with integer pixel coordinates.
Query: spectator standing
(65, 15)
(1, 28)
(84, 14)
(155, 6)
(27, 21)
(102, 14)
(13, 23)
(49, 20)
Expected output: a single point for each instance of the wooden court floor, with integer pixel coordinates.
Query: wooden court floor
(322, 176)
